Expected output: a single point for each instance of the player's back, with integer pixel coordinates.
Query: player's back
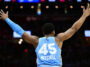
(48, 52)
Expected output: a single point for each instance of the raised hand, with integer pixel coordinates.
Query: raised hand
(3, 15)
(86, 12)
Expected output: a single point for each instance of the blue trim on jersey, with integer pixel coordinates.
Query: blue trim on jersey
(52, 52)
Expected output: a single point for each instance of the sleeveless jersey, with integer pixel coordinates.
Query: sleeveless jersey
(48, 52)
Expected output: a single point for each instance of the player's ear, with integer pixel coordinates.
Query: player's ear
(43, 33)
(53, 32)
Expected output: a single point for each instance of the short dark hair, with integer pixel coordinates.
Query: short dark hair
(48, 28)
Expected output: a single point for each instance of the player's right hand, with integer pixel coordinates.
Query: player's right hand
(86, 12)
(3, 15)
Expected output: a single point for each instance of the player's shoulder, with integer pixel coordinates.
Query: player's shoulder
(59, 36)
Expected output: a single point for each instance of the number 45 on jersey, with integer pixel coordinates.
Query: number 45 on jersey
(48, 48)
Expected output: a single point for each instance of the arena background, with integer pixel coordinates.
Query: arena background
(14, 52)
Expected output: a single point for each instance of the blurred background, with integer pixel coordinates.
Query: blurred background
(31, 15)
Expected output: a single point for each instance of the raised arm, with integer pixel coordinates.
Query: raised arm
(76, 26)
(15, 27)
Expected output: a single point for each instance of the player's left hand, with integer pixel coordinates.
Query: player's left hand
(3, 15)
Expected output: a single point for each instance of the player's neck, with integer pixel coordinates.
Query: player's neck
(49, 35)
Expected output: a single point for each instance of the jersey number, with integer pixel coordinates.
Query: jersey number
(51, 49)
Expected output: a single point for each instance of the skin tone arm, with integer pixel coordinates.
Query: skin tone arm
(28, 38)
(76, 26)
(31, 39)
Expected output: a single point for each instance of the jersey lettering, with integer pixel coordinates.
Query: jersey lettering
(50, 57)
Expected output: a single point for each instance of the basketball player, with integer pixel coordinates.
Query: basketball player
(48, 48)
